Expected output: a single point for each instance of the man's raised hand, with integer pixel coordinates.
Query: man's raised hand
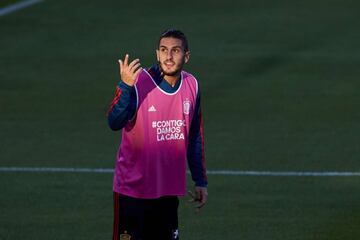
(129, 72)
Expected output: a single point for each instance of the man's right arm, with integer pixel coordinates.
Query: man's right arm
(123, 106)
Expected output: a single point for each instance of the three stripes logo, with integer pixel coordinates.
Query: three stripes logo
(152, 109)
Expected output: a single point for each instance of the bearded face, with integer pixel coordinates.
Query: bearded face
(171, 56)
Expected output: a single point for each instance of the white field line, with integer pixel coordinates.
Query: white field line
(209, 172)
(17, 6)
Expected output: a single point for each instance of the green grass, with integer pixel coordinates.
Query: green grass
(5, 3)
(279, 83)
(79, 206)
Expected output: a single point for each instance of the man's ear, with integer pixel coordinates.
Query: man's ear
(157, 55)
(187, 56)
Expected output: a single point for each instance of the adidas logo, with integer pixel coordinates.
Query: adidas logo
(152, 109)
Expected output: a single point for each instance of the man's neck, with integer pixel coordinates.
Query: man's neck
(172, 79)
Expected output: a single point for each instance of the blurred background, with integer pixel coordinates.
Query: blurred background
(280, 92)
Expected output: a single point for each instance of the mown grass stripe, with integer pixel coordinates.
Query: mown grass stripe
(209, 172)
(18, 6)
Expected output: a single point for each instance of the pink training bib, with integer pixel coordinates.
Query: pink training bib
(151, 161)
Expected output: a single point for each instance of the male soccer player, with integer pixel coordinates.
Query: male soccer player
(158, 110)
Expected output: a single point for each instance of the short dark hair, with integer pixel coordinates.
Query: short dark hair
(174, 33)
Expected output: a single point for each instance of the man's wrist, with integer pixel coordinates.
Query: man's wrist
(126, 86)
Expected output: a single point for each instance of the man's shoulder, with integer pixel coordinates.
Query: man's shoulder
(150, 72)
(187, 75)
(144, 75)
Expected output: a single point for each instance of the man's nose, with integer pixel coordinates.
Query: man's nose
(169, 55)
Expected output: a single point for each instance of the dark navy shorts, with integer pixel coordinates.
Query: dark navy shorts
(145, 219)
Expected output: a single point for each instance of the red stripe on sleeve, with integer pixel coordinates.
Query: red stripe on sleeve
(115, 100)
(202, 147)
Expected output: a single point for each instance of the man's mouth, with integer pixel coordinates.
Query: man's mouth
(169, 64)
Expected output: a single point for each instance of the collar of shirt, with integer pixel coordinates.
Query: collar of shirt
(155, 73)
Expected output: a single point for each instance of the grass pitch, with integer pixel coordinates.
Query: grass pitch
(279, 83)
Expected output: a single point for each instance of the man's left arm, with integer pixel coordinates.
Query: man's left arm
(196, 157)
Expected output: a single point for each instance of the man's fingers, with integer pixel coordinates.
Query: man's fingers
(192, 195)
(126, 60)
(129, 73)
(135, 67)
(195, 197)
(133, 63)
(201, 204)
(200, 196)
(121, 65)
